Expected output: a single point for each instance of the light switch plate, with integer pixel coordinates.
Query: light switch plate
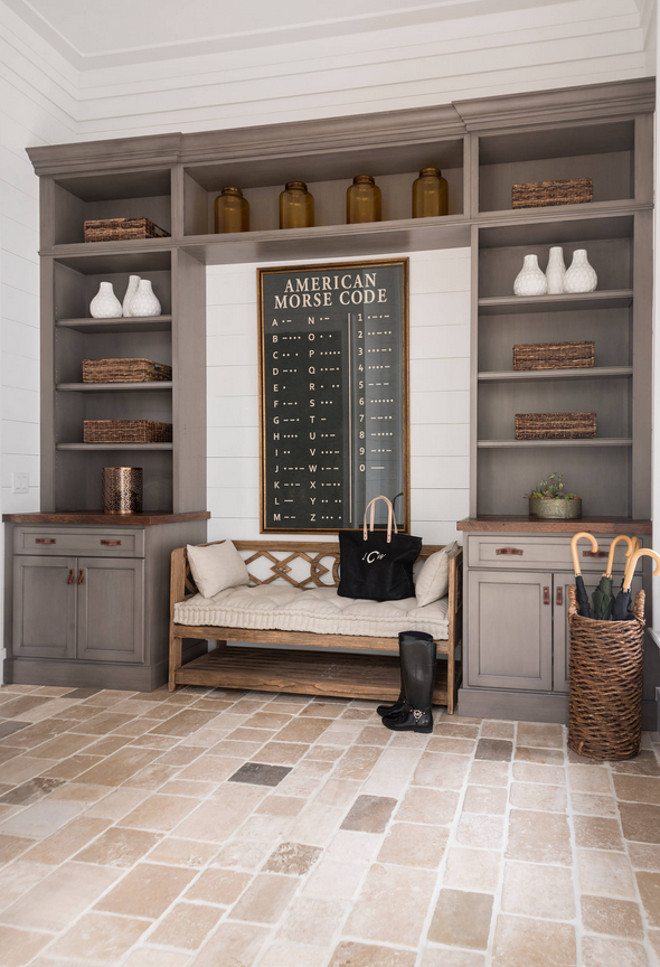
(20, 483)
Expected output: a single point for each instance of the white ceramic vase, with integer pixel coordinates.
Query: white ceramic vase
(131, 289)
(530, 280)
(145, 302)
(105, 304)
(556, 270)
(580, 275)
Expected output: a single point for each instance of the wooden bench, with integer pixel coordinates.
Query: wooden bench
(308, 666)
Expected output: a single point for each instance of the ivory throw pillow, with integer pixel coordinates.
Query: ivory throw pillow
(433, 580)
(217, 567)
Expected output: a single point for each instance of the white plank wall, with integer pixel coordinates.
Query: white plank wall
(439, 396)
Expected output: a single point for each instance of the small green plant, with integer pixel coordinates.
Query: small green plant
(551, 488)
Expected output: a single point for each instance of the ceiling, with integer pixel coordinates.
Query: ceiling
(96, 33)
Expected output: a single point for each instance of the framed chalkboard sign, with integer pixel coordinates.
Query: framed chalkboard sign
(334, 393)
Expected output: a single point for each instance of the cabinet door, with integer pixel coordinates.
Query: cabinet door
(510, 640)
(110, 609)
(44, 607)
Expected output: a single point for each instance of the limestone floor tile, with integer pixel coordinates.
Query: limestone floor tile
(146, 890)
(295, 859)
(619, 918)
(67, 841)
(644, 856)
(318, 823)
(312, 921)
(605, 873)
(274, 805)
(18, 878)
(369, 814)
(351, 954)
(540, 891)
(640, 822)
(461, 918)
(99, 937)
(592, 804)
(495, 729)
(392, 905)
(20, 946)
(473, 869)
(213, 768)
(186, 925)
(303, 730)
(534, 772)
(338, 792)
(538, 837)
(118, 846)
(448, 957)
(488, 773)
(449, 743)
(485, 799)
(159, 813)
(117, 804)
(335, 880)
(524, 942)
(41, 819)
(497, 750)
(607, 952)
(420, 804)
(281, 753)
(480, 831)
(145, 956)
(637, 788)
(542, 734)
(535, 795)
(597, 832)
(411, 844)
(117, 768)
(54, 902)
(357, 763)
(183, 723)
(222, 887)
(242, 854)
(74, 766)
(265, 899)
(649, 891)
(231, 943)
(545, 756)
(216, 820)
(441, 771)
(182, 852)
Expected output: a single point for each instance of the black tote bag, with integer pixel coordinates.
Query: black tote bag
(377, 564)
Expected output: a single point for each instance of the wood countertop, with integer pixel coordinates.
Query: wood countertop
(91, 518)
(530, 525)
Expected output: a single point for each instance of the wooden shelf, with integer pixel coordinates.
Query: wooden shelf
(526, 444)
(88, 447)
(565, 302)
(113, 387)
(585, 372)
(304, 672)
(131, 324)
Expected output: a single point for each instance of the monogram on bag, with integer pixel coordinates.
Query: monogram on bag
(377, 564)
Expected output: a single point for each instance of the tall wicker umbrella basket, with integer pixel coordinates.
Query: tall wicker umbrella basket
(605, 683)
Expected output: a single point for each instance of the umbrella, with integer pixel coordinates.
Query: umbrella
(620, 607)
(582, 598)
(603, 596)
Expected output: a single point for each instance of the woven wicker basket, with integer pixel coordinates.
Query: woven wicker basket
(605, 683)
(553, 355)
(126, 431)
(538, 194)
(124, 371)
(116, 229)
(555, 426)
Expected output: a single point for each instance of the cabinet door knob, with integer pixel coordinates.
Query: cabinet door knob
(71, 576)
(509, 550)
(107, 543)
(45, 540)
(559, 598)
(546, 595)
(81, 576)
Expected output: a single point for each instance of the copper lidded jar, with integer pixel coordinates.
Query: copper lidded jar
(296, 206)
(122, 490)
(430, 194)
(232, 211)
(363, 200)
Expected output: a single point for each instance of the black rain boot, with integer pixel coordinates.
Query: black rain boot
(400, 704)
(418, 668)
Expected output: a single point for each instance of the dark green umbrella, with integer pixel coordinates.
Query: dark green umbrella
(582, 598)
(603, 596)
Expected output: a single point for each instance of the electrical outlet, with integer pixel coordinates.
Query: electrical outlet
(20, 483)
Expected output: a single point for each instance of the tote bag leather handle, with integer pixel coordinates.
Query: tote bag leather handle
(391, 522)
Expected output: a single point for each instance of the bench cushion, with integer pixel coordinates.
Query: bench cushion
(318, 610)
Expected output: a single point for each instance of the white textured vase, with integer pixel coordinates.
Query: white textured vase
(131, 289)
(556, 270)
(105, 304)
(145, 302)
(530, 280)
(580, 275)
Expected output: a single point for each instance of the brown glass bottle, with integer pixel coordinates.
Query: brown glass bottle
(296, 206)
(429, 196)
(363, 200)
(232, 211)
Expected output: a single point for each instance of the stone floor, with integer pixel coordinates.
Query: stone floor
(230, 829)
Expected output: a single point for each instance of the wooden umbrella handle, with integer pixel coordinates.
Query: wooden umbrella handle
(574, 539)
(632, 563)
(610, 557)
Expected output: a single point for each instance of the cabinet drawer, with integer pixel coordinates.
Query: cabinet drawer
(90, 541)
(513, 553)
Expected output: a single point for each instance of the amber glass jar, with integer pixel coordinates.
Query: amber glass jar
(429, 194)
(363, 200)
(296, 206)
(232, 211)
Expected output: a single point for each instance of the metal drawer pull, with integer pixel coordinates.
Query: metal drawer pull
(509, 550)
(110, 543)
(560, 597)
(546, 595)
(595, 553)
(71, 576)
(81, 576)
(45, 540)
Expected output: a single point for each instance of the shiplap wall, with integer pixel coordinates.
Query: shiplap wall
(439, 396)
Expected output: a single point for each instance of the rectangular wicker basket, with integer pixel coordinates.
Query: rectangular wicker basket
(554, 355)
(555, 426)
(116, 229)
(539, 194)
(124, 371)
(126, 431)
